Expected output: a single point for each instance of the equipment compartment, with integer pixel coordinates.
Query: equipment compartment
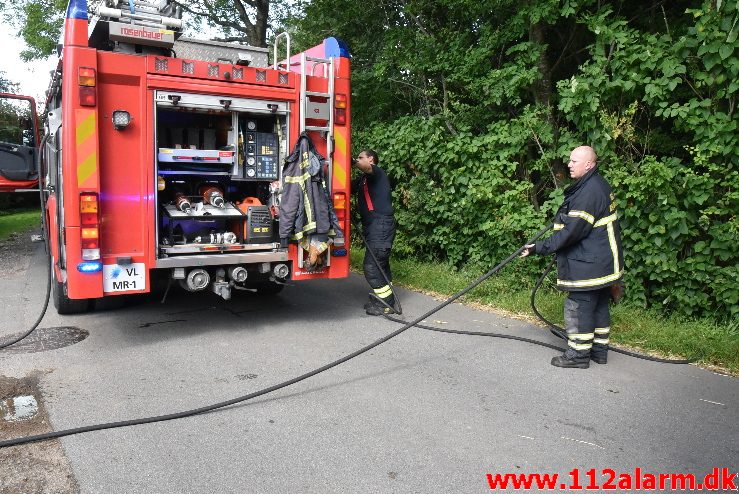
(217, 178)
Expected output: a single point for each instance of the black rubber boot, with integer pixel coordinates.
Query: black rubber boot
(599, 353)
(599, 358)
(375, 301)
(376, 310)
(378, 306)
(571, 360)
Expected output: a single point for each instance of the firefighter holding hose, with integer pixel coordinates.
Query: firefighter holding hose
(587, 242)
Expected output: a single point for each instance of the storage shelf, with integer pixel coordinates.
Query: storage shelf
(209, 213)
(190, 172)
(182, 249)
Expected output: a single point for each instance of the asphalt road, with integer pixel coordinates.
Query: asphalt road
(425, 412)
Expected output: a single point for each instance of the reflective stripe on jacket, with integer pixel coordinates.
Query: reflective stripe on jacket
(587, 237)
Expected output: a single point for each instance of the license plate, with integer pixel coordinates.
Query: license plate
(117, 278)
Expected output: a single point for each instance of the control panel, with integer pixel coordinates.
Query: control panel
(260, 153)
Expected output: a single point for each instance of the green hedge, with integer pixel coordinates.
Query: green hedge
(660, 109)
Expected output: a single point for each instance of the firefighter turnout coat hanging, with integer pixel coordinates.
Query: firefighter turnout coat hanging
(306, 212)
(587, 237)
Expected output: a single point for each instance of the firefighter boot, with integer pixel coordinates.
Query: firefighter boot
(572, 359)
(379, 307)
(599, 352)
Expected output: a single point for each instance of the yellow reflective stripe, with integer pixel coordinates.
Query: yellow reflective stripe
(86, 168)
(579, 346)
(558, 226)
(606, 220)
(339, 161)
(581, 336)
(86, 148)
(309, 226)
(308, 210)
(601, 341)
(591, 282)
(602, 330)
(582, 214)
(297, 179)
(86, 127)
(383, 292)
(614, 246)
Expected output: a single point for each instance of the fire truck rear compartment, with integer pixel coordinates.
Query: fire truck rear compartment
(217, 179)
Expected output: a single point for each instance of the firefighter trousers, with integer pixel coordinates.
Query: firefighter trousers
(373, 275)
(588, 322)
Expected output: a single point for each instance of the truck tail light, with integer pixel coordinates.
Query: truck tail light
(86, 76)
(86, 80)
(340, 205)
(89, 226)
(340, 109)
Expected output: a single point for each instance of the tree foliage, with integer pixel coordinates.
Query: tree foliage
(244, 21)
(474, 105)
(40, 22)
(6, 85)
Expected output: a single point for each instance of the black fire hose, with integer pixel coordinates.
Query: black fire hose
(208, 408)
(44, 232)
(559, 332)
(398, 308)
(554, 329)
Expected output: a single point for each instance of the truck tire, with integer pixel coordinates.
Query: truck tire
(65, 305)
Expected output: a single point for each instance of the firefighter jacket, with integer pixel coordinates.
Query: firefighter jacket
(305, 207)
(587, 237)
(374, 197)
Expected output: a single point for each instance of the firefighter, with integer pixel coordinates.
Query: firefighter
(587, 242)
(378, 226)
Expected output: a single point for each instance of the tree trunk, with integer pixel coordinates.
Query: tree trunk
(542, 91)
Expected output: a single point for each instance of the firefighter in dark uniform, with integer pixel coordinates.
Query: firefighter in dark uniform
(587, 242)
(378, 227)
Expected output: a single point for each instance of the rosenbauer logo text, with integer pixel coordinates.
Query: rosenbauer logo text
(141, 33)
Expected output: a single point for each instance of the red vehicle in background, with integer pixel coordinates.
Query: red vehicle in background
(162, 156)
(19, 139)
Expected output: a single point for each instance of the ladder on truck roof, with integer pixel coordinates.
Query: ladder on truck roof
(316, 104)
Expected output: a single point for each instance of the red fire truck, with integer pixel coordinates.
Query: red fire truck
(162, 155)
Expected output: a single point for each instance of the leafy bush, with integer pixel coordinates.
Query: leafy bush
(659, 107)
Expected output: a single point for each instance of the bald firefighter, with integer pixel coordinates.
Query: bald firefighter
(587, 243)
(378, 226)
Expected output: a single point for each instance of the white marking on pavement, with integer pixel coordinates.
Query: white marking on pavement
(584, 442)
(713, 402)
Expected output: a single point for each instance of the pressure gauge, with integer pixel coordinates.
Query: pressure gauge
(251, 172)
(251, 125)
(250, 161)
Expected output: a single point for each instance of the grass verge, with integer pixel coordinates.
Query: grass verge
(18, 221)
(714, 344)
